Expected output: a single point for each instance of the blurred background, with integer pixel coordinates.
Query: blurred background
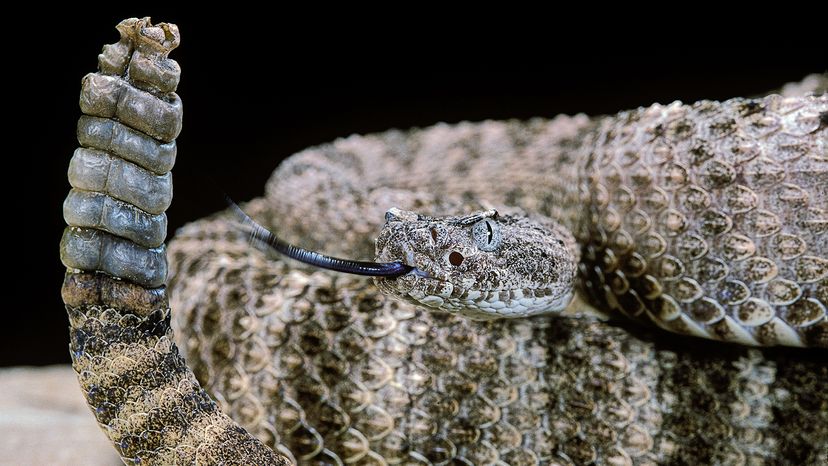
(258, 88)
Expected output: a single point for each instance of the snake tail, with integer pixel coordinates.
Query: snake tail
(144, 397)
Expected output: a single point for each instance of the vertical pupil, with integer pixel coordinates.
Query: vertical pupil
(489, 232)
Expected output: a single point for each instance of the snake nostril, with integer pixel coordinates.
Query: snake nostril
(455, 258)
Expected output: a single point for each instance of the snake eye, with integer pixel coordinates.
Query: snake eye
(486, 234)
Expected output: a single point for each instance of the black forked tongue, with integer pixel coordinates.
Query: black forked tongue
(373, 269)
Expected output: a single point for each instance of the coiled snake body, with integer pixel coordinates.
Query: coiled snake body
(707, 219)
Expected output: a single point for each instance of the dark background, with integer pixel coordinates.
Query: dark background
(257, 88)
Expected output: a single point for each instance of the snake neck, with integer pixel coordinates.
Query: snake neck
(535, 167)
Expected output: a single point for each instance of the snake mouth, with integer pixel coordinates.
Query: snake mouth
(418, 272)
(418, 277)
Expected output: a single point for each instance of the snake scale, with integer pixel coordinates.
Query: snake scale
(708, 219)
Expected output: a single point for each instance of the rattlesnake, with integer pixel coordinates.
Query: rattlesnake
(706, 219)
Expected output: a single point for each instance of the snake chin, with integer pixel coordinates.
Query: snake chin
(475, 304)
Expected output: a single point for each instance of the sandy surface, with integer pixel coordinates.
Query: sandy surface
(44, 420)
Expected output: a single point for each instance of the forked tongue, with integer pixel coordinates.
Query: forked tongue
(373, 269)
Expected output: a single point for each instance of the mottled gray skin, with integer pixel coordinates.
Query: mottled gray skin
(324, 367)
(706, 219)
(686, 216)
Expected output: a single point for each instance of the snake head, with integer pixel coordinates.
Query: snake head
(481, 265)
